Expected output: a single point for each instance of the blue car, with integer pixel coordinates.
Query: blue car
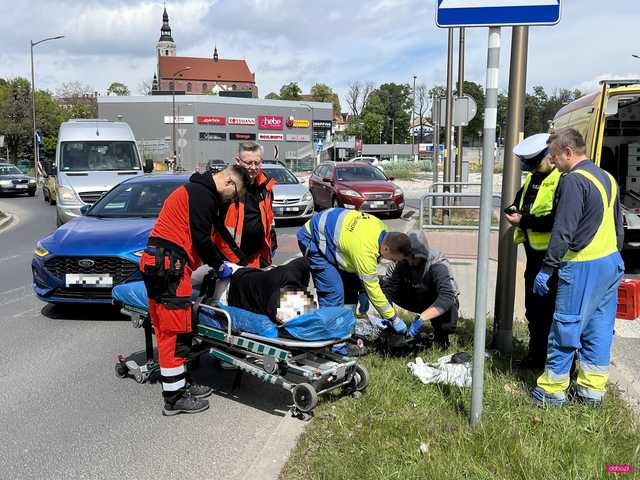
(85, 258)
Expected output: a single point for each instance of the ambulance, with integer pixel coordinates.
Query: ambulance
(609, 120)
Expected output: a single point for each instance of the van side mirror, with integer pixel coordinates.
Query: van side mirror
(148, 165)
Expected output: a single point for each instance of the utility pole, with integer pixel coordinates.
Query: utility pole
(435, 118)
(507, 250)
(458, 176)
(413, 112)
(173, 112)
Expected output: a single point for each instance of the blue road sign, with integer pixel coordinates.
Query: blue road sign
(38, 137)
(488, 13)
(319, 144)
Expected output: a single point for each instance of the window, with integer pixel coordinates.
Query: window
(188, 86)
(360, 174)
(90, 156)
(204, 87)
(166, 52)
(171, 86)
(140, 199)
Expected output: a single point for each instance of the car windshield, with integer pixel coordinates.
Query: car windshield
(138, 199)
(90, 156)
(282, 176)
(359, 173)
(9, 170)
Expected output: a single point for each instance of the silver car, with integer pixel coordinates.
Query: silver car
(291, 198)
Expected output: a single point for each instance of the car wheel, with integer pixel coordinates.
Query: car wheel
(32, 194)
(45, 197)
(397, 214)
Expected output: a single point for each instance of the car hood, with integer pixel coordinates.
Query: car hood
(95, 181)
(289, 191)
(369, 186)
(17, 176)
(100, 236)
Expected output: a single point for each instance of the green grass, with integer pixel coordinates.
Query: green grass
(378, 436)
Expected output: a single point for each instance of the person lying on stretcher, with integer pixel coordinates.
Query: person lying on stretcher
(280, 293)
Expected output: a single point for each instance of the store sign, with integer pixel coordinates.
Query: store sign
(242, 136)
(212, 136)
(322, 124)
(270, 122)
(179, 119)
(297, 123)
(271, 136)
(294, 137)
(209, 120)
(241, 121)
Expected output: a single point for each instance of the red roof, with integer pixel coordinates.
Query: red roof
(206, 69)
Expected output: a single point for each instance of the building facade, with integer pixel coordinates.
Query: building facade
(210, 127)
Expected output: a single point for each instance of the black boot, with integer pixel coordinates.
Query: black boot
(187, 403)
(199, 391)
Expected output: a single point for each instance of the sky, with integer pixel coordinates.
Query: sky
(328, 41)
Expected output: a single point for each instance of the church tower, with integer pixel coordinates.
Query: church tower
(166, 46)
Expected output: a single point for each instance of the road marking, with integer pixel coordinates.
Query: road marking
(10, 257)
(15, 295)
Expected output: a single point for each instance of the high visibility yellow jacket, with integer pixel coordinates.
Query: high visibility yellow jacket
(351, 241)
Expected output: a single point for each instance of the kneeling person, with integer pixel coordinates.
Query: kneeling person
(423, 284)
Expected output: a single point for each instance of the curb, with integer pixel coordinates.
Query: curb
(4, 223)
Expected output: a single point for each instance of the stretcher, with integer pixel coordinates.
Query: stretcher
(306, 366)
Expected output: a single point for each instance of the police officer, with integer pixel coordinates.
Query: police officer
(584, 249)
(179, 242)
(532, 216)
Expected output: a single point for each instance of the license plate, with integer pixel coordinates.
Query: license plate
(377, 204)
(84, 280)
(291, 209)
(21, 186)
(277, 211)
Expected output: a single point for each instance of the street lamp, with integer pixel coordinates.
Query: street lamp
(393, 137)
(173, 113)
(311, 135)
(36, 156)
(413, 111)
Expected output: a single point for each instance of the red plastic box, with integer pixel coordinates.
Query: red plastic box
(628, 299)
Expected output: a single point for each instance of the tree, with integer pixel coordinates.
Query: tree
(77, 100)
(476, 125)
(144, 87)
(322, 93)
(394, 104)
(357, 96)
(290, 91)
(420, 108)
(272, 96)
(118, 89)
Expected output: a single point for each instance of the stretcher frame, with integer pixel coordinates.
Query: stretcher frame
(305, 369)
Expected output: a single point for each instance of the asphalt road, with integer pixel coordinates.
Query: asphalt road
(65, 415)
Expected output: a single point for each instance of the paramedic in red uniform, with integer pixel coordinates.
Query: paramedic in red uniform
(250, 220)
(180, 241)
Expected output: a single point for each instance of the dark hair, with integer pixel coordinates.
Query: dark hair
(398, 242)
(239, 174)
(568, 138)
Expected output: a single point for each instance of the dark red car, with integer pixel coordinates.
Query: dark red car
(355, 185)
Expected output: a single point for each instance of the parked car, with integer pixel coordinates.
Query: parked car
(216, 165)
(13, 181)
(291, 198)
(84, 258)
(355, 185)
(371, 160)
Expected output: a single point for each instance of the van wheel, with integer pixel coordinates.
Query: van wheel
(45, 197)
(58, 219)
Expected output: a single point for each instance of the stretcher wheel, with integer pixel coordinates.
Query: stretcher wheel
(140, 377)
(305, 397)
(361, 377)
(121, 370)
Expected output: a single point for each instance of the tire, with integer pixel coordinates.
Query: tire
(45, 197)
(32, 194)
(397, 214)
(305, 397)
(362, 378)
(121, 370)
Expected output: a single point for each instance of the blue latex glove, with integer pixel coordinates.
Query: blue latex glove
(540, 286)
(225, 271)
(415, 327)
(396, 324)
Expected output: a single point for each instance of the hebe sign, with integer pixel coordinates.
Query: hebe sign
(270, 122)
(209, 120)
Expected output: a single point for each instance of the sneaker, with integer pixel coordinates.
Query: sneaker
(199, 391)
(185, 404)
(591, 402)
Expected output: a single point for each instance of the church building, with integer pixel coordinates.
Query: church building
(199, 76)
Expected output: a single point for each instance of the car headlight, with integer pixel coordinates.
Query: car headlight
(350, 193)
(32, 181)
(40, 251)
(5, 183)
(138, 253)
(397, 192)
(68, 195)
(307, 197)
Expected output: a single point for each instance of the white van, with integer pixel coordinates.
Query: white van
(92, 156)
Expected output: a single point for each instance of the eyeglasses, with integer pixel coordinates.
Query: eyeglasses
(255, 163)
